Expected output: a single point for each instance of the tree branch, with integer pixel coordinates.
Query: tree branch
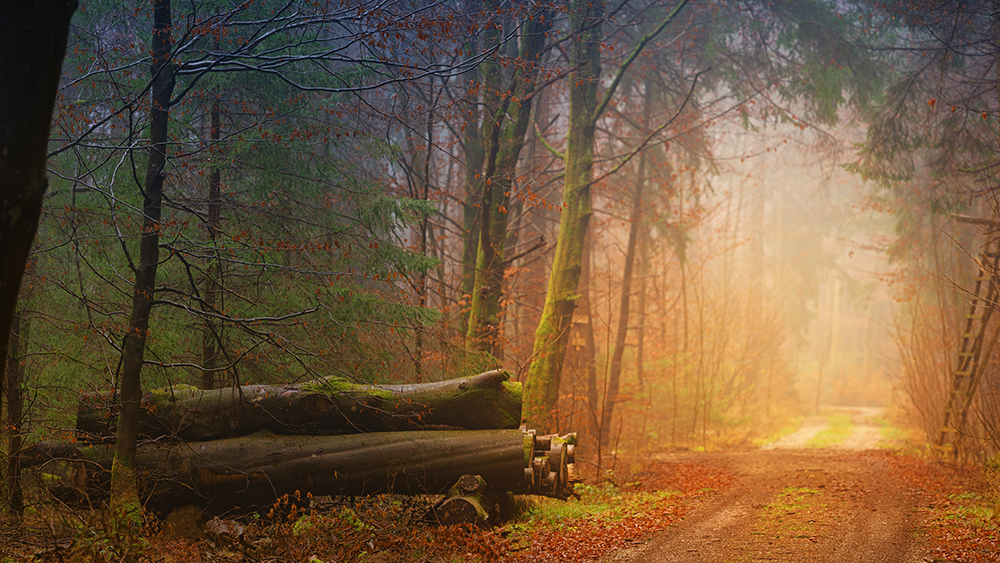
(631, 58)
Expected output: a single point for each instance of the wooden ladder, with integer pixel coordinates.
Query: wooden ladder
(967, 373)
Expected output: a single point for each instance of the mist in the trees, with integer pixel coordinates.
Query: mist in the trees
(676, 225)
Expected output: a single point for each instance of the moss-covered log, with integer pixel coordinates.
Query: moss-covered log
(254, 471)
(484, 401)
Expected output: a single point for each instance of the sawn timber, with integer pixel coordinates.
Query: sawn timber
(253, 471)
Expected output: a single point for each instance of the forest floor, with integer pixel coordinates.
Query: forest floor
(828, 493)
(834, 490)
(796, 505)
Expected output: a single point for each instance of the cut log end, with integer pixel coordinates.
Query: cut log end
(461, 510)
(467, 502)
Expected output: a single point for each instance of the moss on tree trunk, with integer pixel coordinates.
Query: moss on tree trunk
(552, 335)
(504, 140)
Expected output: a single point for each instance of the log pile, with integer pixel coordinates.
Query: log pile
(247, 447)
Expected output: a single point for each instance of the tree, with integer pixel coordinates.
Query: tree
(124, 492)
(634, 226)
(504, 138)
(931, 152)
(310, 240)
(28, 92)
(552, 334)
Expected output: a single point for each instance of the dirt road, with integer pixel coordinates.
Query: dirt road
(796, 505)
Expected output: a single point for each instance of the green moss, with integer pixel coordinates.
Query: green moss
(163, 395)
(326, 524)
(512, 387)
(792, 513)
(339, 386)
(125, 507)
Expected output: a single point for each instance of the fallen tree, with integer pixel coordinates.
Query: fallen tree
(255, 471)
(330, 406)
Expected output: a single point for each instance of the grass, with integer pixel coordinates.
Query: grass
(973, 509)
(840, 428)
(791, 513)
(596, 503)
(790, 426)
(893, 436)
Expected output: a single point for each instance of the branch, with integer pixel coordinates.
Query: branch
(234, 320)
(655, 132)
(540, 244)
(635, 53)
(547, 145)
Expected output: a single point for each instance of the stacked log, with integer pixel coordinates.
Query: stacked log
(268, 447)
(330, 406)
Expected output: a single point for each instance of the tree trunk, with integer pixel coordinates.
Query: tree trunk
(14, 407)
(635, 224)
(124, 494)
(504, 143)
(32, 45)
(254, 471)
(635, 220)
(474, 156)
(211, 340)
(425, 175)
(589, 356)
(552, 335)
(640, 330)
(466, 502)
(485, 401)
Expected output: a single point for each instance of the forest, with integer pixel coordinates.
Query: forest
(452, 280)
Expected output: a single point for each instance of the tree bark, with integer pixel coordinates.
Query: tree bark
(213, 278)
(14, 407)
(124, 494)
(504, 142)
(32, 45)
(485, 401)
(254, 471)
(640, 329)
(425, 177)
(474, 157)
(552, 335)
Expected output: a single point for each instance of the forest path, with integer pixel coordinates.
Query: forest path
(865, 435)
(794, 505)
